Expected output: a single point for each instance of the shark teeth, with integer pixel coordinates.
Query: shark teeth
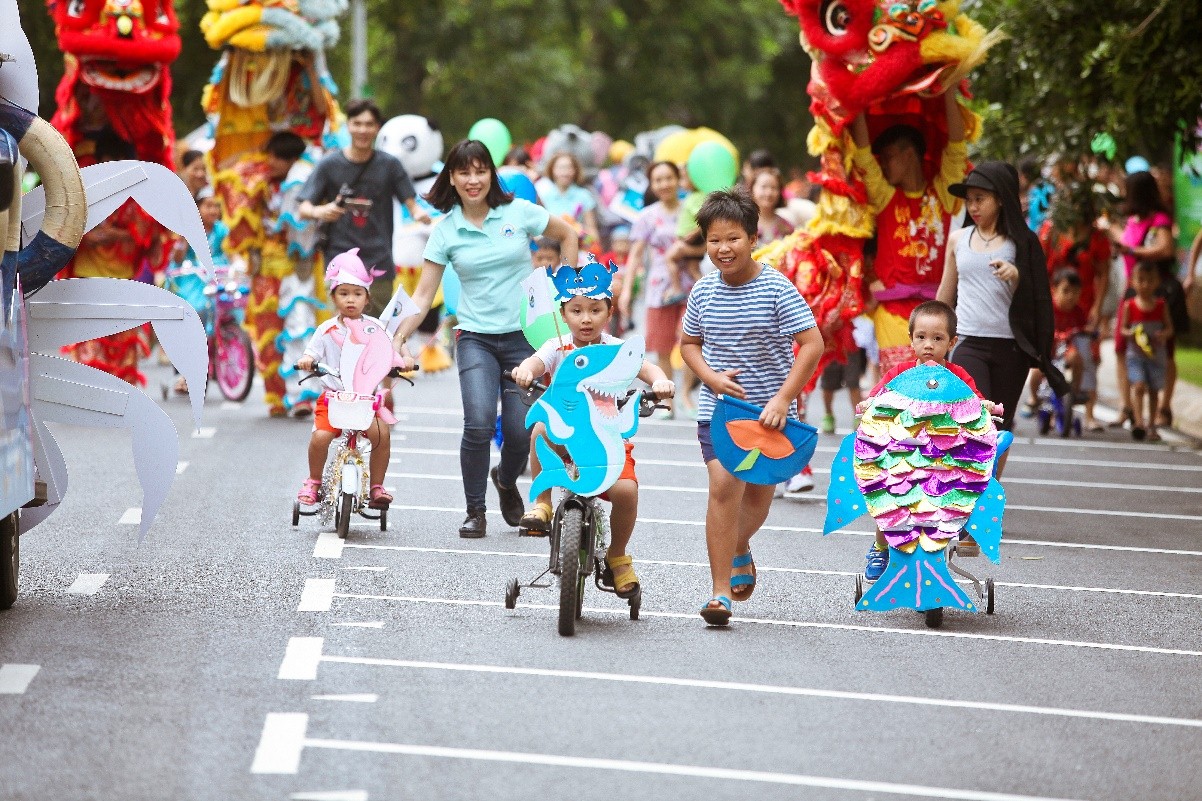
(604, 401)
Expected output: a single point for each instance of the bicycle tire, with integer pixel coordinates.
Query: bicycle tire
(344, 515)
(571, 533)
(10, 556)
(235, 363)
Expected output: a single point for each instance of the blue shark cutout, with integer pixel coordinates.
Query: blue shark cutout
(593, 280)
(579, 411)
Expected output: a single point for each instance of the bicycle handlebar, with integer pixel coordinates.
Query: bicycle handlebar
(648, 401)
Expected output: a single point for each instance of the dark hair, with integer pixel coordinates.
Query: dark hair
(189, 157)
(463, 155)
(935, 308)
(649, 196)
(518, 155)
(285, 145)
(547, 243)
(1066, 275)
(111, 147)
(362, 104)
(780, 183)
(759, 159)
(1028, 167)
(1143, 195)
(1146, 266)
(734, 205)
(906, 134)
(609, 304)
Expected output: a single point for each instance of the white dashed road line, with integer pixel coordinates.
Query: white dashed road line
(15, 679)
(87, 583)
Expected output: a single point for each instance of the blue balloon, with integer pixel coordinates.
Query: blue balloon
(1137, 164)
(517, 184)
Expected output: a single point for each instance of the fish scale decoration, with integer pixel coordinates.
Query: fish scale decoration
(921, 464)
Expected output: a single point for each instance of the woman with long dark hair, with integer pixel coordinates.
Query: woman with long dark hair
(995, 277)
(486, 236)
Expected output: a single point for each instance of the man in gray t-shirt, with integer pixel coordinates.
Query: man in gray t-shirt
(351, 191)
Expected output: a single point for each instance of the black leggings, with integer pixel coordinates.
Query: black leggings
(999, 368)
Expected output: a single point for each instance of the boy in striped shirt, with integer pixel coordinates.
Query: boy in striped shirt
(740, 326)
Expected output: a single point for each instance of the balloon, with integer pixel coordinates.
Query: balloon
(712, 167)
(1104, 145)
(1137, 164)
(518, 184)
(450, 290)
(495, 136)
(677, 147)
(619, 150)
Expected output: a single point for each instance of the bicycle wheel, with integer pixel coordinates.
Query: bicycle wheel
(235, 364)
(571, 585)
(10, 552)
(347, 506)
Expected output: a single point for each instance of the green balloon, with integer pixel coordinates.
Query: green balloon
(712, 167)
(495, 136)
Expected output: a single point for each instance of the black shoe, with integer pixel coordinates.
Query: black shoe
(474, 525)
(512, 507)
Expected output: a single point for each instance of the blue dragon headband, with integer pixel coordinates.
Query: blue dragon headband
(593, 280)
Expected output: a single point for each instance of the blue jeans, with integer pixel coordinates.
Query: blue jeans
(481, 358)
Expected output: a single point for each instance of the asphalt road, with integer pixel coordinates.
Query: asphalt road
(232, 656)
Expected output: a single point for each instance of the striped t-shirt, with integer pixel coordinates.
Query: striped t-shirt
(749, 327)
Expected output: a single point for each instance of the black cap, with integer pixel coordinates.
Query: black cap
(973, 179)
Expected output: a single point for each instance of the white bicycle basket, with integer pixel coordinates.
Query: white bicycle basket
(352, 410)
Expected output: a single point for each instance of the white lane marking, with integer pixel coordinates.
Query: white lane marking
(281, 743)
(703, 490)
(181, 467)
(15, 679)
(365, 624)
(369, 568)
(333, 795)
(669, 769)
(328, 546)
(807, 530)
(798, 570)
(204, 433)
(131, 517)
(354, 698)
(769, 689)
(681, 463)
(317, 595)
(301, 658)
(87, 583)
(807, 624)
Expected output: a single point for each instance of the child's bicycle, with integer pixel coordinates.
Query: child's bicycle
(221, 304)
(344, 484)
(1056, 412)
(578, 540)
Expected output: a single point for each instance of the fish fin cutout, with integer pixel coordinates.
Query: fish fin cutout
(918, 580)
(845, 502)
(985, 523)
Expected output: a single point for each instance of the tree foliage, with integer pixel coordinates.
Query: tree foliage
(1074, 68)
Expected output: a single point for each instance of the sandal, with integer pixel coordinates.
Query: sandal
(309, 491)
(619, 573)
(742, 585)
(537, 521)
(378, 497)
(717, 615)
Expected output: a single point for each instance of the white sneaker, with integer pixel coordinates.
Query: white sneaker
(802, 482)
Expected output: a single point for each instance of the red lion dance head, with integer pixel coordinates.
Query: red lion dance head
(117, 58)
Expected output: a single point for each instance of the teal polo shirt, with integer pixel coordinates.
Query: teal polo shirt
(490, 261)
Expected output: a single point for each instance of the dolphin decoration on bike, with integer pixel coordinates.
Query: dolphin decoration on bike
(580, 411)
(921, 463)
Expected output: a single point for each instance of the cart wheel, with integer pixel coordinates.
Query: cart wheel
(636, 603)
(295, 513)
(934, 618)
(859, 587)
(512, 591)
(989, 596)
(343, 522)
(383, 520)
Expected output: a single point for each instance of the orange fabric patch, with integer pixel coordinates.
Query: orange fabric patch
(750, 435)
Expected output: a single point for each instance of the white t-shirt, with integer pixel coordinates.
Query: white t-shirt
(552, 352)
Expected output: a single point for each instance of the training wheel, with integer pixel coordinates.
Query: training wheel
(934, 618)
(859, 587)
(989, 596)
(636, 602)
(512, 591)
(295, 513)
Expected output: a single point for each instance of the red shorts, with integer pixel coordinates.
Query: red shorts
(321, 415)
(627, 469)
(663, 328)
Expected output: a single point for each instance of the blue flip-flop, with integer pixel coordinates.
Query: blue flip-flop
(717, 615)
(747, 580)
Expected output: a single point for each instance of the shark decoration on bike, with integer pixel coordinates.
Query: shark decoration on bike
(593, 280)
(921, 463)
(581, 412)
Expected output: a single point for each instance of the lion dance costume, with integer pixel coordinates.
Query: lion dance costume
(117, 83)
(272, 77)
(890, 60)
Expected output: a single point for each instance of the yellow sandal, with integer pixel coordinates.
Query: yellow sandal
(537, 521)
(620, 573)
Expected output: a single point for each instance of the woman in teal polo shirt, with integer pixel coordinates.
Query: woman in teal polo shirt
(486, 236)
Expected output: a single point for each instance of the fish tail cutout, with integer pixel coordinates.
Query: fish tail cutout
(844, 501)
(552, 468)
(918, 580)
(985, 522)
(1004, 440)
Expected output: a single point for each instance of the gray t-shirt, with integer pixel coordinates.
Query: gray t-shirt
(367, 224)
(982, 299)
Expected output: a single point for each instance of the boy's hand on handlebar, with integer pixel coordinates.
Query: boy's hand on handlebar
(522, 376)
(663, 389)
(724, 383)
(306, 364)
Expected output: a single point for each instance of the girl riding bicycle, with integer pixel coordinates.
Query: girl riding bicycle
(349, 283)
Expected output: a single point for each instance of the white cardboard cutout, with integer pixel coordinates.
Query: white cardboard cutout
(19, 77)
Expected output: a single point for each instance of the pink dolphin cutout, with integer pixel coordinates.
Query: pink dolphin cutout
(376, 359)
